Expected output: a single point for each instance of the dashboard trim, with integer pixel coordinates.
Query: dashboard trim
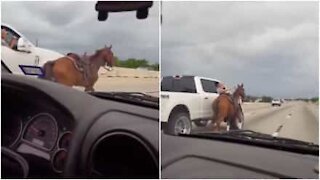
(237, 165)
(19, 135)
(53, 156)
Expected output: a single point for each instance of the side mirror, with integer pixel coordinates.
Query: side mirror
(23, 45)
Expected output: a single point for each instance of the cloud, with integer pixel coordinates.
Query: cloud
(270, 46)
(74, 27)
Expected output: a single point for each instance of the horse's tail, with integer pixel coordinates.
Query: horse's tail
(48, 70)
(215, 108)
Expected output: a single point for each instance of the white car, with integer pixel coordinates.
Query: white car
(276, 102)
(186, 99)
(25, 53)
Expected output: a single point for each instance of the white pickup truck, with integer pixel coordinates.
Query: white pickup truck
(24, 53)
(186, 99)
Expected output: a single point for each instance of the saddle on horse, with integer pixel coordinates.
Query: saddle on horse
(217, 101)
(82, 64)
(231, 118)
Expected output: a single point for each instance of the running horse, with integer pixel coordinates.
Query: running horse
(65, 70)
(227, 108)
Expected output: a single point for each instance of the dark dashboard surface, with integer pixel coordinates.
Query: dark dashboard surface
(36, 127)
(187, 157)
(61, 132)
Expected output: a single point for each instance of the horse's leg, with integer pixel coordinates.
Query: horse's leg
(64, 82)
(222, 113)
(214, 121)
(233, 123)
(228, 124)
(217, 121)
(233, 119)
(89, 89)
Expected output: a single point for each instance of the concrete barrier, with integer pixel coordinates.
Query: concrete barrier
(128, 72)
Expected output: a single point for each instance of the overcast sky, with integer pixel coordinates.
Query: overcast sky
(272, 47)
(74, 27)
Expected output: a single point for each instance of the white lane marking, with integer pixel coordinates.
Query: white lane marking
(277, 132)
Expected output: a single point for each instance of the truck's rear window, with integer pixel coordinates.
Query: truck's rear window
(182, 84)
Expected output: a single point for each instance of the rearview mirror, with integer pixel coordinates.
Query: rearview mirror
(104, 7)
(23, 45)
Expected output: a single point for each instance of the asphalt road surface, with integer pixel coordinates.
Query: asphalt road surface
(296, 120)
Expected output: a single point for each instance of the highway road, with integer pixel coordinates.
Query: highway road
(297, 120)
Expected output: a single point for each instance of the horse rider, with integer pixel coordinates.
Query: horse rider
(8, 39)
(4, 37)
(221, 89)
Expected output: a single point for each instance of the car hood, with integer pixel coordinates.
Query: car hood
(46, 55)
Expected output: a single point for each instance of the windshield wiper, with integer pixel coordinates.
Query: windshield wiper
(255, 138)
(136, 98)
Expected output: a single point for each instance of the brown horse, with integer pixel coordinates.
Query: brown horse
(227, 108)
(65, 71)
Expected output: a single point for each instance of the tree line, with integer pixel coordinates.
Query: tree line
(250, 98)
(136, 63)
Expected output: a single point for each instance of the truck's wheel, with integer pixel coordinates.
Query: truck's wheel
(179, 123)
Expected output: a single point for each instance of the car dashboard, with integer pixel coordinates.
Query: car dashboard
(37, 128)
(191, 157)
(53, 131)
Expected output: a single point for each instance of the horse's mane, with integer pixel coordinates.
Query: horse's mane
(237, 90)
(97, 53)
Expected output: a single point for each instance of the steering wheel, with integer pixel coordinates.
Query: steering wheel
(13, 165)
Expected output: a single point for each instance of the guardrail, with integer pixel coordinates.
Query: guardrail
(119, 72)
(154, 77)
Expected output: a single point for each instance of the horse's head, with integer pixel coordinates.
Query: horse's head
(240, 91)
(107, 55)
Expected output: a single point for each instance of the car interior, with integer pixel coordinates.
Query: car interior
(52, 131)
(197, 156)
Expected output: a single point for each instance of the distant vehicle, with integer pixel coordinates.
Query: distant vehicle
(186, 99)
(23, 53)
(276, 102)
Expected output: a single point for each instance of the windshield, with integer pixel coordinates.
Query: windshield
(122, 49)
(67, 65)
(266, 50)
